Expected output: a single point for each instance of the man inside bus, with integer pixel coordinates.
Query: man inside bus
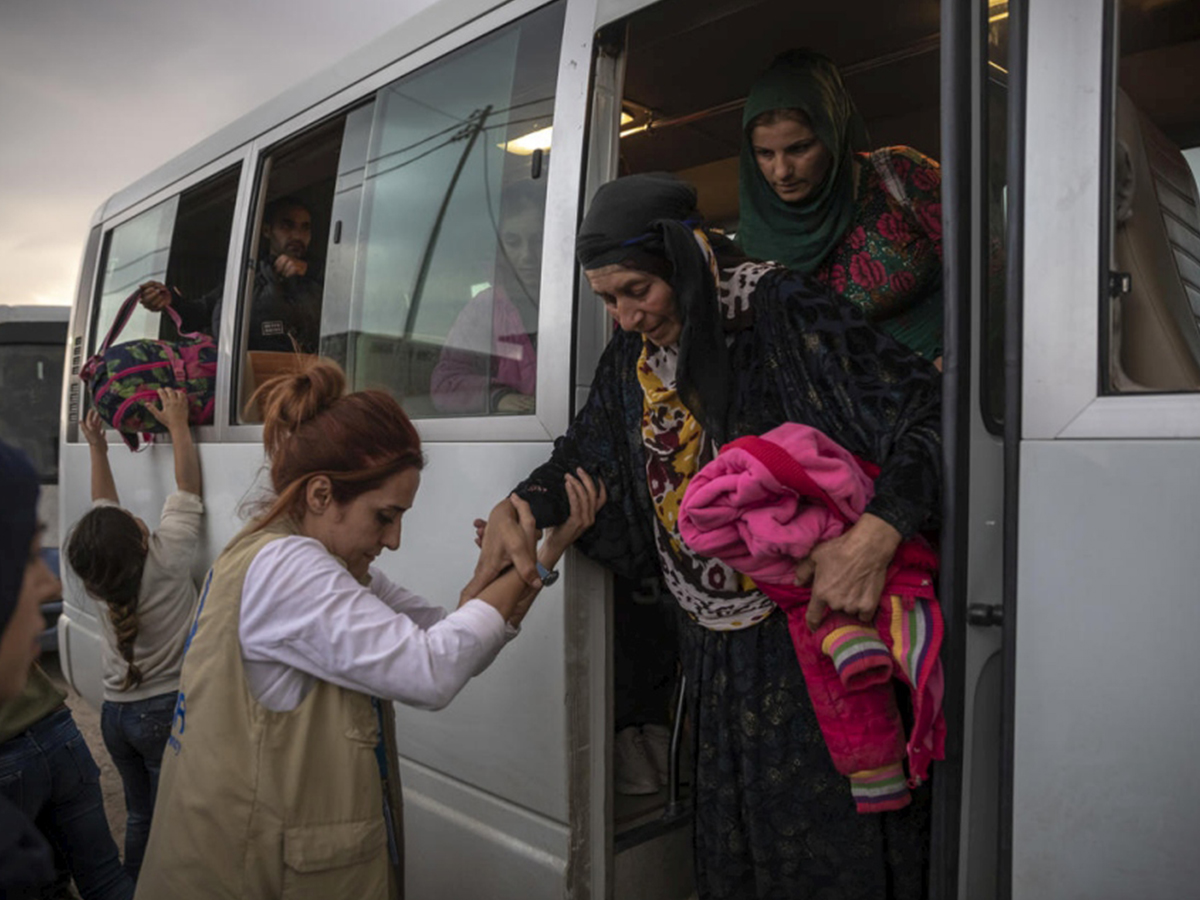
(285, 312)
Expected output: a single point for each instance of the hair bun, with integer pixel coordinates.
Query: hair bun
(288, 401)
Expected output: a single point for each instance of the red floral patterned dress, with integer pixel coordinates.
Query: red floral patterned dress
(890, 261)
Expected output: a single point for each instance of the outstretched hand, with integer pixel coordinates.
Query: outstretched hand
(849, 571)
(92, 427)
(508, 538)
(172, 409)
(155, 296)
(586, 500)
(510, 535)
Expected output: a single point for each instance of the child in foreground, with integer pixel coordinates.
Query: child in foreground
(143, 579)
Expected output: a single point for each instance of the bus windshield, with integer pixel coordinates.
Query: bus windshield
(31, 372)
(30, 387)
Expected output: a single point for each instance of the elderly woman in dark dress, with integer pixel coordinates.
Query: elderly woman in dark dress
(868, 225)
(714, 346)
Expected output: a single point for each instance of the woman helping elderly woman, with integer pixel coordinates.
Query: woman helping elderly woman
(298, 641)
(714, 346)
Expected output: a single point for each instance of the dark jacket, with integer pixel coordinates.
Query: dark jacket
(282, 309)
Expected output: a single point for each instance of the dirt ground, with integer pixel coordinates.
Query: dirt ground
(88, 720)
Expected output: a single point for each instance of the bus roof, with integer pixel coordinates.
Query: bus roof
(414, 33)
(34, 313)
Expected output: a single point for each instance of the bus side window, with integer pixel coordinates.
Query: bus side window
(283, 286)
(135, 252)
(182, 243)
(445, 309)
(200, 250)
(1154, 293)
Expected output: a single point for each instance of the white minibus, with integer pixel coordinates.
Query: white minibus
(1070, 583)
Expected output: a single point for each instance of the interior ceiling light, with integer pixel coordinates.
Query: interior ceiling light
(526, 144)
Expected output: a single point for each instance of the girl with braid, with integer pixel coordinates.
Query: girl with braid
(144, 579)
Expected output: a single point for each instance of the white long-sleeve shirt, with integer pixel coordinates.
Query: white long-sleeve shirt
(305, 617)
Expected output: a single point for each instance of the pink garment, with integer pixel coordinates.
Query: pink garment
(764, 503)
(486, 352)
(737, 510)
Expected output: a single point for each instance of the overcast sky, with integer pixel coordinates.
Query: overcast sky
(95, 94)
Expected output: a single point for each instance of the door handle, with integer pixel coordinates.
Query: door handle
(985, 615)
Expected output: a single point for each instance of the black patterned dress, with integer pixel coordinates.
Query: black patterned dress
(773, 818)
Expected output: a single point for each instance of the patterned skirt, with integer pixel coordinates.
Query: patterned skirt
(774, 819)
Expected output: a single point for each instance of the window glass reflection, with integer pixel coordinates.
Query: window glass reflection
(446, 309)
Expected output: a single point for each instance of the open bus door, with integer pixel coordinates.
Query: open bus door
(1103, 443)
(952, 60)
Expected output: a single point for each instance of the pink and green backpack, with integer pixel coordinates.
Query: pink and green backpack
(122, 379)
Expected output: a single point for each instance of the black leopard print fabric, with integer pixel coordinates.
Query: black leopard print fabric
(801, 355)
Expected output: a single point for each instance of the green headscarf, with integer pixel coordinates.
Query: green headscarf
(800, 234)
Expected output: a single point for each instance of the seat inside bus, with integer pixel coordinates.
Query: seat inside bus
(1156, 326)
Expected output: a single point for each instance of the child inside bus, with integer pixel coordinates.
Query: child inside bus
(868, 225)
(489, 361)
(281, 780)
(144, 580)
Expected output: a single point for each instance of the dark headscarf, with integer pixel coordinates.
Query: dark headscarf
(646, 222)
(800, 234)
(18, 522)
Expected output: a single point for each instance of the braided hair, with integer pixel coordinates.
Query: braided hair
(107, 550)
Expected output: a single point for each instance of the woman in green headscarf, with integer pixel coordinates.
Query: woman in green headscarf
(868, 224)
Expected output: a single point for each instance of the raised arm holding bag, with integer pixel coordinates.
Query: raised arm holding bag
(123, 378)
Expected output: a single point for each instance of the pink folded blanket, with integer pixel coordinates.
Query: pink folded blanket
(764, 503)
(761, 506)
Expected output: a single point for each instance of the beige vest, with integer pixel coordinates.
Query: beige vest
(260, 804)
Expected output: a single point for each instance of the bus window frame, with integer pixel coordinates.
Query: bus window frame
(609, 11)
(73, 393)
(554, 382)
(84, 315)
(1061, 393)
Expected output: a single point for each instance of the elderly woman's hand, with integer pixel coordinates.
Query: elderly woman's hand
(848, 572)
(586, 497)
(508, 538)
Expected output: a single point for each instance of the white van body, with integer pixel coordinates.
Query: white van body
(1069, 505)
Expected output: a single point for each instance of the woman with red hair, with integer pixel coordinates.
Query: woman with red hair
(279, 777)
